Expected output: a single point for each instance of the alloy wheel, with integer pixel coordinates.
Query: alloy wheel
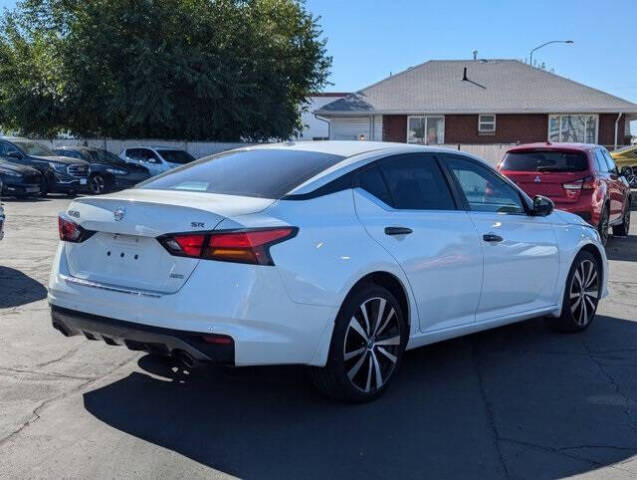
(372, 345)
(98, 184)
(584, 292)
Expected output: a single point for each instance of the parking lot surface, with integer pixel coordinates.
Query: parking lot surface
(515, 402)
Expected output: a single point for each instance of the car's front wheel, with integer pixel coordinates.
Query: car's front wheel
(98, 184)
(367, 346)
(581, 295)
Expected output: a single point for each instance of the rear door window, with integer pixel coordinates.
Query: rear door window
(177, 156)
(264, 173)
(415, 182)
(610, 163)
(372, 182)
(545, 161)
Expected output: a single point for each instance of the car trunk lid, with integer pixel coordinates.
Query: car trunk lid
(124, 250)
(549, 184)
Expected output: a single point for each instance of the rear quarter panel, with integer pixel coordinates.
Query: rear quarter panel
(331, 252)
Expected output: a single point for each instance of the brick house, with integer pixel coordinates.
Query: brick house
(479, 102)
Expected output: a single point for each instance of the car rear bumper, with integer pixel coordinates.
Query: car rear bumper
(189, 346)
(246, 303)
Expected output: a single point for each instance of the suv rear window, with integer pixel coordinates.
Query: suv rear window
(545, 161)
(267, 173)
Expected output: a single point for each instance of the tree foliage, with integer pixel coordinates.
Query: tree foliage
(191, 69)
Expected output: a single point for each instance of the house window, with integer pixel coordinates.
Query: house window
(486, 124)
(426, 130)
(573, 128)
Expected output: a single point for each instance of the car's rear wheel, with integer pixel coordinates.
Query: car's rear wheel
(367, 346)
(602, 227)
(624, 228)
(581, 295)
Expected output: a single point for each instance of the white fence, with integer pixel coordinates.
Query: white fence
(196, 149)
(492, 153)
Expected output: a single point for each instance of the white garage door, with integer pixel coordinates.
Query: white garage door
(349, 128)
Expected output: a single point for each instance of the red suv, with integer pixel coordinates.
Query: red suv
(580, 178)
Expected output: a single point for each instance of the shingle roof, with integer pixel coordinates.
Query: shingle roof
(493, 86)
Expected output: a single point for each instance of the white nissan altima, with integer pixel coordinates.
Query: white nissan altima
(335, 255)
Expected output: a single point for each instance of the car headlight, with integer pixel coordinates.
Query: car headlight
(9, 173)
(58, 167)
(116, 171)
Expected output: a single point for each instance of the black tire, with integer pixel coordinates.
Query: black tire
(602, 226)
(579, 307)
(98, 184)
(624, 228)
(373, 360)
(44, 189)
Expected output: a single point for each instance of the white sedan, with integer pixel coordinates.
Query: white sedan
(335, 255)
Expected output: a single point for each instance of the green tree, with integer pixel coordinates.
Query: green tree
(191, 69)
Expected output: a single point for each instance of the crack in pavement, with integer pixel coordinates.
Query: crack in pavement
(615, 385)
(44, 374)
(563, 451)
(68, 354)
(35, 414)
(488, 408)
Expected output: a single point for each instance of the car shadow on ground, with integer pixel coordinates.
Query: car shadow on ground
(622, 248)
(17, 288)
(514, 402)
(23, 199)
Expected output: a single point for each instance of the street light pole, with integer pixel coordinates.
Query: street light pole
(544, 45)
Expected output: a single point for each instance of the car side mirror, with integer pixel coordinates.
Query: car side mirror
(14, 154)
(626, 172)
(542, 206)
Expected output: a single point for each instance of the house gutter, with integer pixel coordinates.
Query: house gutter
(619, 116)
(329, 125)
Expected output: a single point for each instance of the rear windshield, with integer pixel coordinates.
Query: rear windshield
(176, 156)
(252, 173)
(545, 161)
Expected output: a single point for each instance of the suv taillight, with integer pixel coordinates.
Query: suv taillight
(71, 231)
(241, 246)
(586, 183)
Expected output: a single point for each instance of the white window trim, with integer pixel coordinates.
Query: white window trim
(426, 117)
(551, 115)
(480, 129)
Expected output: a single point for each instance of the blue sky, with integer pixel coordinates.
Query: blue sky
(371, 38)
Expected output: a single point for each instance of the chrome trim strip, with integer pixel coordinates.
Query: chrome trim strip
(87, 283)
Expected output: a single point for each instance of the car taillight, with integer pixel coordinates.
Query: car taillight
(71, 231)
(242, 246)
(581, 184)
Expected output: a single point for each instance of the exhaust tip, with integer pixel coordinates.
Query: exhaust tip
(184, 358)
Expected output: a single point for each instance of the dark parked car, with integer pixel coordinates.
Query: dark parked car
(107, 172)
(62, 175)
(19, 180)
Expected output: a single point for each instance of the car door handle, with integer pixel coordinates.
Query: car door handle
(492, 237)
(398, 231)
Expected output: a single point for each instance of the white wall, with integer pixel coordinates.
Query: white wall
(196, 149)
(315, 128)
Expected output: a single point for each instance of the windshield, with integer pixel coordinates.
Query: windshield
(266, 173)
(34, 148)
(545, 161)
(176, 156)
